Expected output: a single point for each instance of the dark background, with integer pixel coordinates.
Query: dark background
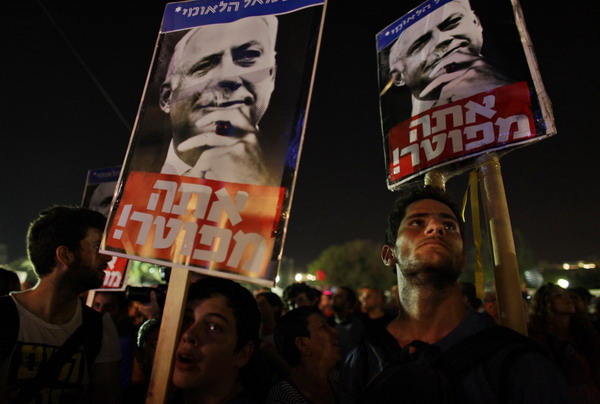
(56, 124)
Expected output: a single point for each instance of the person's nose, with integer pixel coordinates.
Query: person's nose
(191, 336)
(229, 74)
(435, 227)
(104, 257)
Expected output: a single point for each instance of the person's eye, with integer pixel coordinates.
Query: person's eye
(451, 22)
(204, 66)
(450, 226)
(417, 46)
(247, 57)
(416, 223)
(214, 328)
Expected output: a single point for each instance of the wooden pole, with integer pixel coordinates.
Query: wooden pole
(506, 270)
(168, 337)
(89, 300)
(436, 179)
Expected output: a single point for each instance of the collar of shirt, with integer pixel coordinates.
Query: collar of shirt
(173, 164)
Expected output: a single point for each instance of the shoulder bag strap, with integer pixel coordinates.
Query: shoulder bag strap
(10, 330)
(51, 367)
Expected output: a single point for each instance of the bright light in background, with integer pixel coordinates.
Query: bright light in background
(311, 277)
(298, 277)
(566, 266)
(277, 279)
(563, 283)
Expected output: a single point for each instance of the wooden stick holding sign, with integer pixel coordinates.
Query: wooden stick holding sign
(168, 337)
(506, 269)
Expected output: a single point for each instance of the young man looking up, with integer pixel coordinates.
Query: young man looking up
(424, 246)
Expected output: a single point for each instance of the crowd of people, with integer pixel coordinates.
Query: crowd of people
(428, 339)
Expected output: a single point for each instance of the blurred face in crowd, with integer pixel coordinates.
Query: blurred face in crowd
(106, 302)
(437, 49)
(370, 299)
(324, 341)
(340, 300)
(560, 301)
(206, 357)
(300, 300)
(267, 312)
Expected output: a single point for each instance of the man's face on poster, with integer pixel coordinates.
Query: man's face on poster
(219, 84)
(437, 49)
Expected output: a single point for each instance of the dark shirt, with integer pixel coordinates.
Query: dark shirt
(533, 378)
(285, 392)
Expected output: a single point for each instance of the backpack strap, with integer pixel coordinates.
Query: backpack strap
(469, 352)
(502, 344)
(51, 367)
(10, 329)
(92, 328)
(88, 335)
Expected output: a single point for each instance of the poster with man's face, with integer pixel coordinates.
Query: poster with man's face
(456, 82)
(99, 189)
(207, 180)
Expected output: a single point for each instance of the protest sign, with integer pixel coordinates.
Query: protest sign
(458, 79)
(208, 177)
(98, 193)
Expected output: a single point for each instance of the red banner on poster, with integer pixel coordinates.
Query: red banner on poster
(198, 223)
(481, 122)
(114, 275)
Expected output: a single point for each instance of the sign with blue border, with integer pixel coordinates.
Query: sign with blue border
(183, 15)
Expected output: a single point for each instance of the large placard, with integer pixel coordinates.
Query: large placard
(458, 78)
(208, 178)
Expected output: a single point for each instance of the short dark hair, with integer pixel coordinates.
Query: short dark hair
(55, 227)
(414, 195)
(295, 289)
(239, 299)
(292, 325)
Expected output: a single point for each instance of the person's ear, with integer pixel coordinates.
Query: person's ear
(303, 345)
(64, 256)
(244, 354)
(387, 255)
(165, 97)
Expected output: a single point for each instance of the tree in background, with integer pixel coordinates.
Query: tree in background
(355, 264)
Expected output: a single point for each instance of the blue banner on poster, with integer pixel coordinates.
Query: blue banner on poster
(393, 31)
(101, 175)
(190, 14)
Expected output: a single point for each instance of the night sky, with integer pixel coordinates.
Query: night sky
(56, 124)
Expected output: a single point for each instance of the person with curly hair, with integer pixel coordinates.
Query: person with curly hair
(570, 339)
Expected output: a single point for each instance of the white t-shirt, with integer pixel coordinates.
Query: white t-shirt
(38, 339)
